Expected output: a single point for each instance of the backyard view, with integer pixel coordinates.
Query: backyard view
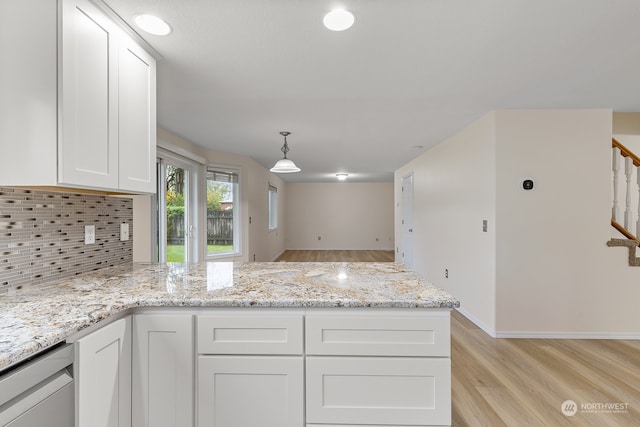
(219, 219)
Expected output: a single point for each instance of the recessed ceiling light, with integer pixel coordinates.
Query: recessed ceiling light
(418, 147)
(338, 20)
(152, 24)
(342, 176)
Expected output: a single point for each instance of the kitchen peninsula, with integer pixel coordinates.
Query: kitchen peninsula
(337, 343)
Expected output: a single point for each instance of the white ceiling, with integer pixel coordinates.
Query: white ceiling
(408, 73)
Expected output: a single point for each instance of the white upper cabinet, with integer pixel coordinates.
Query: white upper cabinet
(88, 147)
(137, 118)
(80, 101)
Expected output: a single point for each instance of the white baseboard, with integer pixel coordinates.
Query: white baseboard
(477, 322)
(550, 335)
(569, 335)
(340, 249)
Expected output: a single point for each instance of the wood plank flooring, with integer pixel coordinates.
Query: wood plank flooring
(523, 382)
(337, 256)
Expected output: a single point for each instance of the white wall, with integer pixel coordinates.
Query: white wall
(256, 240)
(142, 230)
(554, 274)
(454, 190)
(345, 215)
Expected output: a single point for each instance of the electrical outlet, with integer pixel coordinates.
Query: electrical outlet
(319, 237)
(89, 234)
(446, 273)
(124, 232)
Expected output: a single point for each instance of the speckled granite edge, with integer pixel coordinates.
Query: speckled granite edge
(34, 319)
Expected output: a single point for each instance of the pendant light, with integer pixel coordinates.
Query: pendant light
(285, 165)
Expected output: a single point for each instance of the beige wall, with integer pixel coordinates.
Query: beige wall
(554, 274)
(257, 242)
(345, 215)
(626, 123)
(453, 191)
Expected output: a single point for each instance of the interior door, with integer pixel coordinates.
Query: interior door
(406, 211)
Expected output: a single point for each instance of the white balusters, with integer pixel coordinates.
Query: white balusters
(638, 219)
(630, 217)
(616, 171)
(628, 170)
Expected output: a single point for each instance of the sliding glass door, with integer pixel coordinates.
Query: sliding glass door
(177, 239)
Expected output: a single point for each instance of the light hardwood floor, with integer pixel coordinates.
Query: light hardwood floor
(337, 256)
(524, 382)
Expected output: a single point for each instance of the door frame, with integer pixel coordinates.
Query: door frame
(406, 221)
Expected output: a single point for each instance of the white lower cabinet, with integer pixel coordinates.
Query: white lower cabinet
(382, 368)
(250, 368)
(163, 370)
(378, 390)
(103, 376)
(250, 391)
(267, 368)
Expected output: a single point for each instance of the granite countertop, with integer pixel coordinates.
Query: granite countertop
(35, 318)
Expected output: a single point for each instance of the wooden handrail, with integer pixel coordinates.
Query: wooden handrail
(625, 151)
(626, 233)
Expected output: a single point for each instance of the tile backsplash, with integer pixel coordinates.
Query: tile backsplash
(42, 235)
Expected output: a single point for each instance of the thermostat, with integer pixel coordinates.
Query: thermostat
(527, 184)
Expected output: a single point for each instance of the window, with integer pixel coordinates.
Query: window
(222, 211)
(273, 207)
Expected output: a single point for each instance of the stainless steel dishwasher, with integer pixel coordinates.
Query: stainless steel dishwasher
(39, 392)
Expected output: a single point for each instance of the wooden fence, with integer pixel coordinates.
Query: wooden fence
(219, 228)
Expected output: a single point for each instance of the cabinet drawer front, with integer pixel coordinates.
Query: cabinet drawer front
(261, 334)
(376, 390)
(379, 335)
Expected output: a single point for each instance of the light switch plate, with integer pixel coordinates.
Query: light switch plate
(89, 234)
(124, 232)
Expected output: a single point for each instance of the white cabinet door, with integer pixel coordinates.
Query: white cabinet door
(378, 390)
(88, 143)
(137, 118)
(28, 94)
(103, 376)
(163, 375)
(251, 391)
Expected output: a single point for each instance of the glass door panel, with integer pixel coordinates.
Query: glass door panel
(175, 220)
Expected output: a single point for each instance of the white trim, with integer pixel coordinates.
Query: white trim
(340, 249)
(550, 335)
(124, 26)
(170, 148)
(570, 335)
(477, 322)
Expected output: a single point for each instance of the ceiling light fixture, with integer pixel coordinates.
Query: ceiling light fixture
(285, 165)
(338, 20)
(342, 176)
(152, 24)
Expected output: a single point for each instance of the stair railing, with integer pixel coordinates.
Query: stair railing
(622, 154)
